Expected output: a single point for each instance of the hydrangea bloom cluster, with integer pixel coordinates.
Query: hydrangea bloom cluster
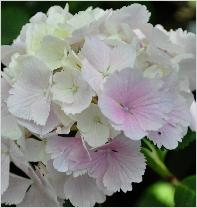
(109, 76)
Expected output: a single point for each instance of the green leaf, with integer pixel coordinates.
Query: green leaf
(13, 18)
(187, 139)
(160, 194)
(185, 193)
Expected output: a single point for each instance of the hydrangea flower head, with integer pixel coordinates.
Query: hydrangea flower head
(79, 94)
(134, 104)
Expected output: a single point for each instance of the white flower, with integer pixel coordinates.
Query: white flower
(16, 190)
(157, 52)
(57, 15)
(29, 97)
(81, 190)
(119, 25)
(34, 150)
(9, 125)
(52, 51)
(85, 23)
(41, 130)
(84, 18)
(71, 91)
(65, 120)
(14, 68)
(40, 193)
(94, 127)
(36, 33)
(10, 152)
(101, 61)
(187, 55)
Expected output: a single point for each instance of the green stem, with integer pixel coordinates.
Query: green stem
(156, 163)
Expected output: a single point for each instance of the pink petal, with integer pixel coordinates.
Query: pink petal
(67, 153)
(137, 103)
(117, 164)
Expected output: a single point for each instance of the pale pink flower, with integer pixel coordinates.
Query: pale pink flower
(133, 103)
(175, 127)
(117, 164)
(66, 152)
(120, 159)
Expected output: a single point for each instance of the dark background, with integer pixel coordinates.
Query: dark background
(171, 15)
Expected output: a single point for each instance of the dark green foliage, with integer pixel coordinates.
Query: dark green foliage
(185, 193)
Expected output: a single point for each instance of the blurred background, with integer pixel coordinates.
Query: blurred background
(153, 191)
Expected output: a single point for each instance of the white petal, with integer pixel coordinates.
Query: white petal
(193, 113)
(9, 126)
(65, 119)
(92, 76)
(175, 127)
(5, 168)
(62, 89)
(122, 57)
(37, 197)
(29, 90)
(57, 179)
(40, 111)
(16, 190)
(5, 87)
(135, 15)
(17, 157)
(7, 51)
(187, 70)
(82, 100)
(97, 136)
(97, 53)
(79, 96)
(82, 191)
(168, 136)
(93, 126)
(52, 51)
(38, 17)
(34, 151)
(51, 123)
